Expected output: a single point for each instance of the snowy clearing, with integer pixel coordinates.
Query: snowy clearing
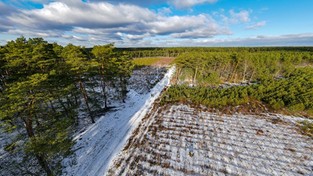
(182, 140)
(97, 146)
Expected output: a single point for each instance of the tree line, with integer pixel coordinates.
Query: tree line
(176, 51)
(207, 68)
(42, 87)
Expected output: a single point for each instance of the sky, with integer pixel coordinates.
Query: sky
(160, 23)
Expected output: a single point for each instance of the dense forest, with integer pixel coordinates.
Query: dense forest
(176, 51)
(43, 86)
(279, 78)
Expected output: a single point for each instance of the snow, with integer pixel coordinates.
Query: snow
(182, 140)
(97, 146)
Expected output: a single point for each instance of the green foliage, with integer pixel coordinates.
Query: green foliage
(41, 88)
(306, 128)
(294, 93)
(103, 52)
(113, 68)
(176, 51)
(282, 77)
(206, 96)
(54, 140)
(209, 68)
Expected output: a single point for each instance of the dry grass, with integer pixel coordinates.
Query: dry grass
(153, 61)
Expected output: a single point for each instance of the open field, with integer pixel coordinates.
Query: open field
(153, 61)
(182, 140)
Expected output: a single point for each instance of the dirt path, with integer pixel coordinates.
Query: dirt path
(101, 142)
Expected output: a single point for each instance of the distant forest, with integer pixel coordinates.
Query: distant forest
(176, 51)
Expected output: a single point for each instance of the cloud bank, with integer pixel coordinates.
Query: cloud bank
(123, 22)
(115, 22)
(256, 25)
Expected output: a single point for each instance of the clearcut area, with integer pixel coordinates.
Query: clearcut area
(185, 140)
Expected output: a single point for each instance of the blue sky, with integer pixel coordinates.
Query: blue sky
(138, 23)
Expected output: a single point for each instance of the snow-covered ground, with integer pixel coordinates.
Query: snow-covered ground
(182, 140)
(97, 146)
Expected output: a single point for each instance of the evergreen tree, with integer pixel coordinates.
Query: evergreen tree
(79, 69)
(30, 64)
(103, 55)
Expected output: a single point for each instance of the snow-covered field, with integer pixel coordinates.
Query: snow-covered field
(97, 146)
(182, 140)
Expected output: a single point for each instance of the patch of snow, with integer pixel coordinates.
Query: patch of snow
(183, 140)
(97, 146)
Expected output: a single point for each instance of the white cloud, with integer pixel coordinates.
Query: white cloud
(109, 20)
(281, 40)
(92, 23)
(5, 9)
(202, 33)
(237, 17)
(129, 37)
(60, 14)
(256, 25)
(189, 3)
(177, 24)
(304, 39)
(164, 11)
(5, 23)
(35, 33)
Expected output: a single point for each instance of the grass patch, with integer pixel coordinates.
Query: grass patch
(147, 61)
(153, 61)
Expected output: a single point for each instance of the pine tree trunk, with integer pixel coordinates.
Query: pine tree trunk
(64, 107)
(224, 72)
(195, 76)
(103, 87)
(41, 159)
(251, 76)
(104, 94)
(76, 99)
(69, 102)
(83, 91)
(177, 75)
(43, 163)
(124, 88)
(233, 73)
(244, 71)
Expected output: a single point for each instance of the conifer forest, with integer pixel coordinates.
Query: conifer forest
(49, 92)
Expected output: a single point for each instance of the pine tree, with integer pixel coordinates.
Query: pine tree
(80, 66)
(30, 64)
(103, 55)
(124, 67)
